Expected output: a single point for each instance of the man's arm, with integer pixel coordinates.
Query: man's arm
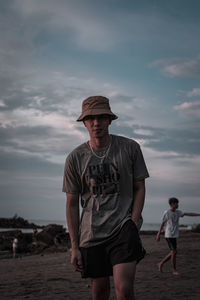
(191, 214)
(72, 214)
(138, 202)
(160, 230)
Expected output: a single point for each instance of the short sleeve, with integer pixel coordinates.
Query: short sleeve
(71, 178)
(139, 167)
(165, 216)
(180, 213)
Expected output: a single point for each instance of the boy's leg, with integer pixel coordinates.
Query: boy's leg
(163, 261)
(14, 251)
(172, 243)
(100, 288)
(124, 275)
(173, 262)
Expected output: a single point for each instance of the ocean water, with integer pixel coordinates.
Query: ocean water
(47, 222)
(150, 226)
(145, 226)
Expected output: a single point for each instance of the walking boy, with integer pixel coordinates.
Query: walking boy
(171, 222)
(108, 174)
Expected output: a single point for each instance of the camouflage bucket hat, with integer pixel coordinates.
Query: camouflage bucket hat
(96, 105)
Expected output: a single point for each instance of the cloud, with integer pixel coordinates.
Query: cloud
(2, 104)
(45, 134)
(31, 186)
(184, 142)
(77, 22)
(189, 108)
(194, 93)
(38, 117)
(169, 166)
(177, 67)
(170, 176)
(145, 132)
(101, 26)
(170, 143)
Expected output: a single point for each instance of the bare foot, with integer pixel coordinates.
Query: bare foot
(160, 267)
(175, 273)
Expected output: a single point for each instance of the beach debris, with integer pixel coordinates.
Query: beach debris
(52, 238)
(196, 228)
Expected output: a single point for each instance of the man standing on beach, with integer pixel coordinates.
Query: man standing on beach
(171, 220)
(14, 246)
(108, 173)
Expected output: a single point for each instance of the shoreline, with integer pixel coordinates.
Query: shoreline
(30, 230)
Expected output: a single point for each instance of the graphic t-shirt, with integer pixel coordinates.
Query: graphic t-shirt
(106, 187)
(172, 222)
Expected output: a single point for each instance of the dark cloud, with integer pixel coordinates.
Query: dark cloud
(28, 165)
(31, 187)
(40, 140)
(170, 188)
(182, 141)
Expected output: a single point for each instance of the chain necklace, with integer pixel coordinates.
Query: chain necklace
(105, 154)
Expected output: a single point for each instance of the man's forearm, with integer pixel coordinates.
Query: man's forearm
(138, 203)
(72, 214)
(161, 228)
(191, 214)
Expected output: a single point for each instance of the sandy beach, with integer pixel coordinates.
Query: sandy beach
(50, 276)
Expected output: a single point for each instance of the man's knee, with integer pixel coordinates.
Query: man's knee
(100, 288)
(173, 252)
(124, 280)
(124, 290)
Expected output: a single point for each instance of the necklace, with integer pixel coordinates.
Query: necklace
(105, 154)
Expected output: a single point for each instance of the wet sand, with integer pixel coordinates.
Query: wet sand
(51, 276)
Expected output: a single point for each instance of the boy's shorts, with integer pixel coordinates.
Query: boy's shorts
(126, 246)
(172, 243)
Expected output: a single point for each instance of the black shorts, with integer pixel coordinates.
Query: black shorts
(172, 243)
(126, 246)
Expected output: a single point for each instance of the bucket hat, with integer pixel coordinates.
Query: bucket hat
(96, 105)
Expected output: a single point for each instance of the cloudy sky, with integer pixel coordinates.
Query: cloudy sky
(144, 55)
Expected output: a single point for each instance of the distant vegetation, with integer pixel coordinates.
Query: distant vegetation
(17, 222)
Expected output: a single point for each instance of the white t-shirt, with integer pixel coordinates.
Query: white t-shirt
(15, 242)
(172, 222)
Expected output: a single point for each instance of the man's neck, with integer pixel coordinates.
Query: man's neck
(100, 143)
(173, 209)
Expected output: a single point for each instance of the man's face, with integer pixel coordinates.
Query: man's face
(174, 206)
(97, 126)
